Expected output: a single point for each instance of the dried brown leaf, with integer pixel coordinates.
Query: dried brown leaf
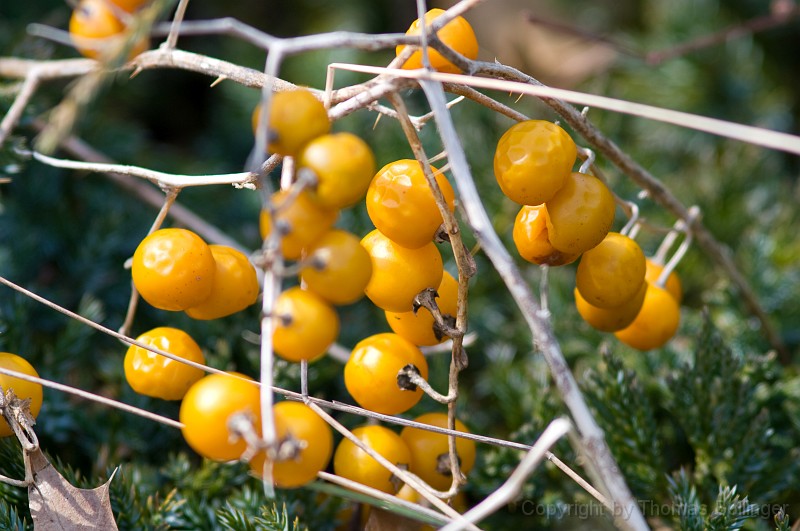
(56, 505)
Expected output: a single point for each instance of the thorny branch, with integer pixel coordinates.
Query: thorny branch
(348, 100)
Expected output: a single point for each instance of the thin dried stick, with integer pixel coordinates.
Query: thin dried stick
(154, 197)
(169, 200)
(749, 27)
(26, 92)
(384, 497)
(511, 80)
(244, 179)
(513, 485)
(175, 26)
(403, 475)
(97, 326)
(466, 269)
(93, 397)
(295, 45)
(486, 101)
(271, 260)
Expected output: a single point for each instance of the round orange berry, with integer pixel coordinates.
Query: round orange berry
(339, 268)
(235, 285)
(612, 273)
(399, 273)
(173, 269)
(673, 283)
(370, 374)
(401, 204)
(303, 221)
(456, 34)
(580, 214)
(343, 165)
(296, 117)
(656, 322)
(532, 241)
(533, 160)
(154, 375)
(306, 325)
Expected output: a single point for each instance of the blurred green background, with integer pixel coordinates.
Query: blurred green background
(66, 236)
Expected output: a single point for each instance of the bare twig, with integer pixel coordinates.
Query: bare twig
(411, 376)
(383, 497)
(125, 339)
(523, 83)
(749, 27)
(93, 397)
(175, 26)
(133, 302)
(403, 475)
(244, 179)
(153, 196)
(14, 113)
(466, 269)
(513, 485)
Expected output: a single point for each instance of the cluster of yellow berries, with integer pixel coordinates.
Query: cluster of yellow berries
(173, 269)
(566, 215)
(391, 265)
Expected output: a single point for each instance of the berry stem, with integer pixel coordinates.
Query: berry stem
(409, 376)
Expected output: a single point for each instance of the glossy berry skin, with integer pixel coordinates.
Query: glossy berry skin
(612, 273)
(456, 34)
(296, 421)
(22, 388)
(533, 160)
(673, 284)
(296, 117)
(656, 322)
(344, 166)
(154, 375)
(305, 326)
(96, 31)
(610, 319)
(206, 409)
(235, 285)
(340, 268)
(580, 214)
(532, 241)
(353, 463)
(370, 374)
(399, 273)
(419, 327)
(401, 204)
(305, 220)
(430, 458)
(173, 269)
